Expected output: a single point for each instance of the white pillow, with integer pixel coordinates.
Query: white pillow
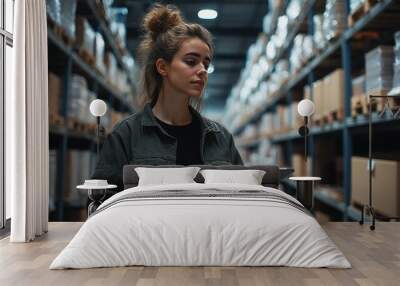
(163, 176)
(248, 177)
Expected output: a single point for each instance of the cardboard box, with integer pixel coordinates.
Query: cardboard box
(307, 92)
(333, 91)
(299, 165)
(318, 90)
(54, 83)
(84, 35)
(385, 185)
(296, 119)
(282, 111)
(358, 85)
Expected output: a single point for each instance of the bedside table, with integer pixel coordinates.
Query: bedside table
(96, 195)
(305, 190)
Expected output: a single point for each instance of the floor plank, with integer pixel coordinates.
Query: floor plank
(374, 255)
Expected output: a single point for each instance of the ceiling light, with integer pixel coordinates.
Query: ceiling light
(207, 14)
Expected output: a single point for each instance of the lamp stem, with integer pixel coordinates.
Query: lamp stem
(305, 137)
(98, 136)
(370, 149)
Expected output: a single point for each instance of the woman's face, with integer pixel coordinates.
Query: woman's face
(187, 72)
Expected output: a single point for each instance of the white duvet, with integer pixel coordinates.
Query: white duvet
(183, 231)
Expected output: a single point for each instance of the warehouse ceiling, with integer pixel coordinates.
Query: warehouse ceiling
(237, 26)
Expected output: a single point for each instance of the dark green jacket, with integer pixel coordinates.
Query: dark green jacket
(139, 139)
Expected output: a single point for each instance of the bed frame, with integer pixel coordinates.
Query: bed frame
(272, 177)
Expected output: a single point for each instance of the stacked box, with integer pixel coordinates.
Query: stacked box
(119, 30)
(297, 120)
(358, 85)
(78, 99)
(54, 85)
(299, 165)
(318, 93)
(122, 80)
(84, 36)
(129, 62)
(266, 123)
(335, 20)
(99, 52)
(282, 117)
(379, 70)
(111, 64)
(68, 11)
(333, 91)
(276, 121)
(385, 185)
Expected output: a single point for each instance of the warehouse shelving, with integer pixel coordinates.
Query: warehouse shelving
(293, 32)
(88, 70)
(353, 213)
(317, 61)
(64, 60)
(335, 126)
(321, 64)
(110, 40)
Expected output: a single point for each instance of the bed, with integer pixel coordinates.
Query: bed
(201, 224)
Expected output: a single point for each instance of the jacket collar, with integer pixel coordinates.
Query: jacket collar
(207, 126)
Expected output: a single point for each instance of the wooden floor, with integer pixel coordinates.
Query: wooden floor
(375, 257)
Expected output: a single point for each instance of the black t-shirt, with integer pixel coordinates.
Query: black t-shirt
(188, 137)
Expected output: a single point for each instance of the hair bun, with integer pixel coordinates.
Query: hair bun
(160, 19)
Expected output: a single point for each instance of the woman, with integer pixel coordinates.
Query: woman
(175, 57)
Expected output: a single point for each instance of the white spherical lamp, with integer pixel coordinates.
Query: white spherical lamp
(98, 107)
(306, 108)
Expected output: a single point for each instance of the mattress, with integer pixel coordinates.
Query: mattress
(201, 225)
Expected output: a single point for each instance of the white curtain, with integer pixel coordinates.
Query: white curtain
(27, 142)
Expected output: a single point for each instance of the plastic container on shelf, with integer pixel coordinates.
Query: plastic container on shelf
(335, 20)
(85, 36)
(297, 58)
(53, 8)
(119, 31)
(379, 69)
(319, 36)
(68, 12)
(129, 62)
(267, 24)
(271, 51)
(99, 52)
(355, 4)
(396, 80)
(111, 64)
(282, 31)
(397, 39)
(78, 99)
(397, 54)
(294, 9)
